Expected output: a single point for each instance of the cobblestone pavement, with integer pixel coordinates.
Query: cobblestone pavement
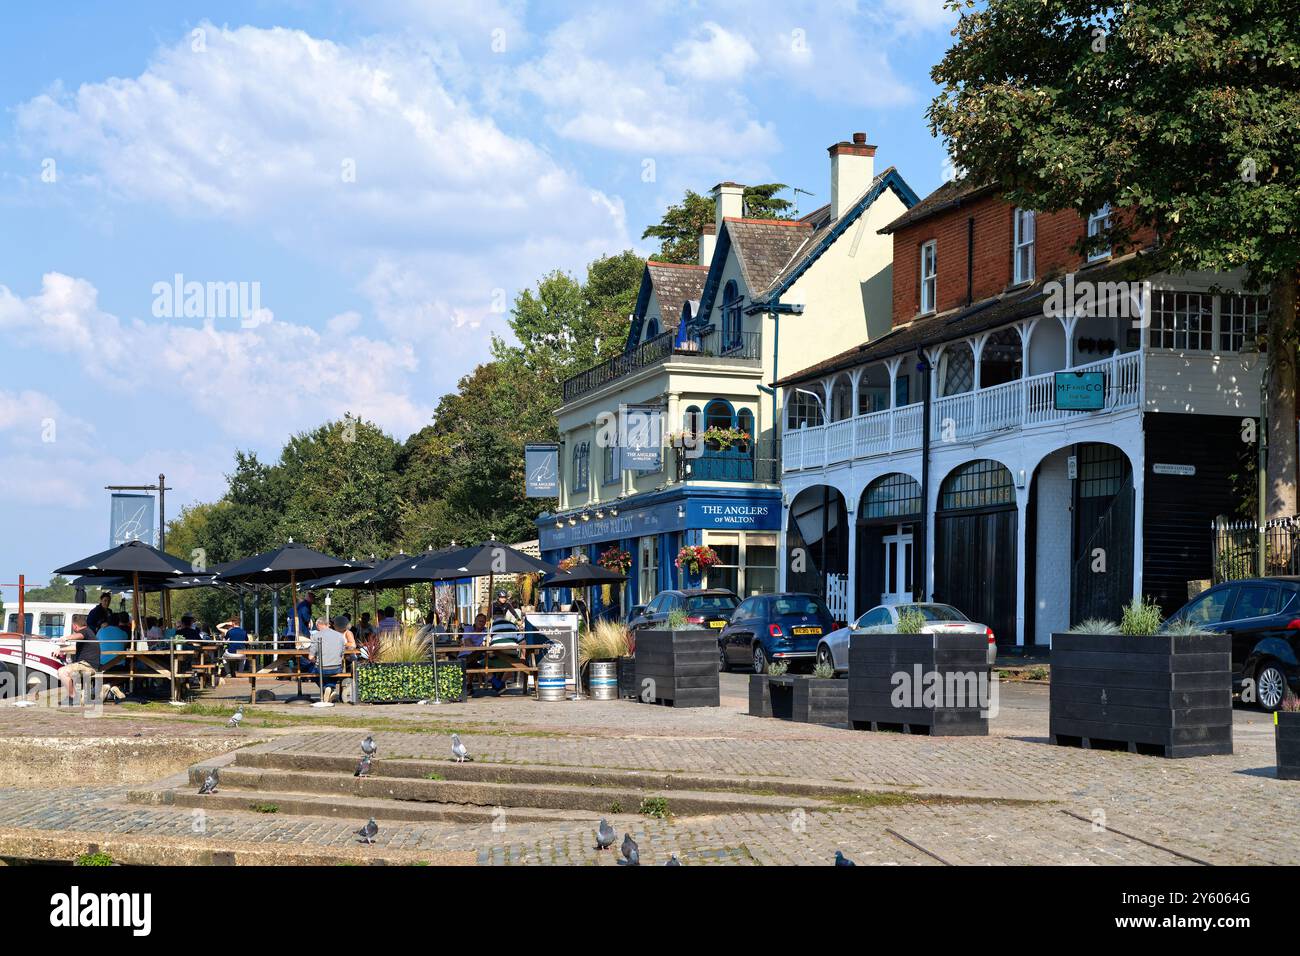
(1093, 806)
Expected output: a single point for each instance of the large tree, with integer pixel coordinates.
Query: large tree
(679, 230)
(1182, 114)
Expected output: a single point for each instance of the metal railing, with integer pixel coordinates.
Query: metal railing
(752, 462)
(713, 344)
(1235, 548)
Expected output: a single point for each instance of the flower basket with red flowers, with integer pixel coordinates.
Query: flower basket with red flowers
(696, 558)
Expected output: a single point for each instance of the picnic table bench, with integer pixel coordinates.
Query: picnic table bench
(283, 664)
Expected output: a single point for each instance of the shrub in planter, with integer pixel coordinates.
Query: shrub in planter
(678, 667)
(1286, 737)
(919, 683)
(1168, 693)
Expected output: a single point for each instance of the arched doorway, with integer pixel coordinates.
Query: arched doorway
(817, 547)
(888, 519)
(975, 545)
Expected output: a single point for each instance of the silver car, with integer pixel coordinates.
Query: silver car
(883, 618)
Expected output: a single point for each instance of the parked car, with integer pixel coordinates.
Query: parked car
(1262, 616)
(708, 607)
(883, 618)
(774, 627)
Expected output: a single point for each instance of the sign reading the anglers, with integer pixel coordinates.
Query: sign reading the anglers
(130, 518)
(541, 471)
(642, 437)
(1080, 391)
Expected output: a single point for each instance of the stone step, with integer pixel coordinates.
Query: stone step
(478, 793)
(287, 803)
(656, 780)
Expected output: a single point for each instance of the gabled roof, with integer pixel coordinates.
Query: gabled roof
(827, 230)
(1020, 303)
(763, 248)
(673, 283)
(950, 195)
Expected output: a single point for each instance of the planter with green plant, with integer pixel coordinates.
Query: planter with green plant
(1286, 738)
(909, 680)
(401, 671)
(678, 665)
(1142, 686)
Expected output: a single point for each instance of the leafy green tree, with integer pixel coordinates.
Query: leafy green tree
(59, 589)
(679, 230)
(1180, 113)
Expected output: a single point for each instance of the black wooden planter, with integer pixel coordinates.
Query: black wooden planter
(809, 700)
(682, 667)
(1165, 694)
(1286, 734)
(626, 678)
(889, 675)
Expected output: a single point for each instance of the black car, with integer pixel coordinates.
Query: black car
(774, 627)
(709, 607)
(1262, 615)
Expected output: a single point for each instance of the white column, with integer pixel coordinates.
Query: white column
(854, 378)
(977, 354)
(893, 365)
(1025, 327)
(933, 355)
(1069, 323)
(674, 425)
(1022, 572)
(1137, 458)
(851, 585)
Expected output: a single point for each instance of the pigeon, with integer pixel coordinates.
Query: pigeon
(369, 831)
(236, 717)
(369, 747)
(630, 853)
(209, 783)
(604, 835)
(363, 767)
(673, 861)
(842, 860)
(458, 750)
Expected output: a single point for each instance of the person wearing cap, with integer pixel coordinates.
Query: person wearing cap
(503, 610)
(325, 655)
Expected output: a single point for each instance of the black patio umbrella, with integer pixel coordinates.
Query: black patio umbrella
(140, 562)
(584, 576)
(284, 565)
(490, 558)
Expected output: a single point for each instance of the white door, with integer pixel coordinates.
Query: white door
(898, 569)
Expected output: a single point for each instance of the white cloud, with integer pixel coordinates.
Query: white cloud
(715, 54)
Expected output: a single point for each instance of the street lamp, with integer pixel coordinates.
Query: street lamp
(1253, 350)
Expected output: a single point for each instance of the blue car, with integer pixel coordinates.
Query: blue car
(774, 627)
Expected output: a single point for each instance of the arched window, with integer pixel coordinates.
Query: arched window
(892, 496)
(841, 399)
(977, 484)
(609, 464)
(801, 409)
(581, 466)
(718, 414)
(1001, 358)
(958, 369)
(693, 420)
(651, 329)
(730, 316)
(745, 422)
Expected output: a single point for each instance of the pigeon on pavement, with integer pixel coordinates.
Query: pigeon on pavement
(630, 852)
(363, 767)
(369, 831)
(369, 747)
(458, 750)
(209, 783)
(842, 860)
(236, 717)
(673, 861)
(604, 835)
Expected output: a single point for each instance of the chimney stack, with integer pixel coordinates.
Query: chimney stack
(853, 167)
(708, 240)
(728, 202)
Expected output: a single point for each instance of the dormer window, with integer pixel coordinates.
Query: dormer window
(1099, 224)
(929, 272)
(1024, 246)
(651, 329)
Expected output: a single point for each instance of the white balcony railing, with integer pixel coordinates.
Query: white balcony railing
(1026, 402)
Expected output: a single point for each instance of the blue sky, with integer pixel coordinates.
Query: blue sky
(386, 175)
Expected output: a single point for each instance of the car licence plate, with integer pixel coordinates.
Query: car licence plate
(807, 630)
(717, 624)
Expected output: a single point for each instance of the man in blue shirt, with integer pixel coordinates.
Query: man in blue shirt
(236, 641)
(113, 638)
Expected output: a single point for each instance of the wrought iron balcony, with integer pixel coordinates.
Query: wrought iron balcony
(713, 345)
(753, 461)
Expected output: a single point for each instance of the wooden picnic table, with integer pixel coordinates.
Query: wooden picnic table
(522, 667)
(158, 665)
(277, 666)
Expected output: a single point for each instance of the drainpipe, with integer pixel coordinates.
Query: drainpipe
(776, 310)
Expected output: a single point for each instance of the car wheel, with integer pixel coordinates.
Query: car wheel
(1270, 686)
(760, 660)
(723, 664)
(824, 655)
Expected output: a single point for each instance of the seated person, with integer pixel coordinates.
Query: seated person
(153, 634)
(113, 638)
(84, 663)
(325, 656)
(236, 641)
(187, 631)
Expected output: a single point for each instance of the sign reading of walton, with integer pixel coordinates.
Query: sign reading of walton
(736, 516)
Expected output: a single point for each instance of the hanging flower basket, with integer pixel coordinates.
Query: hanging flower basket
(697, 558)
(722, 439)
(615, 559)
(572, 561)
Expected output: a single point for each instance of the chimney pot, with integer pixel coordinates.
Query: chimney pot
(859, 139)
